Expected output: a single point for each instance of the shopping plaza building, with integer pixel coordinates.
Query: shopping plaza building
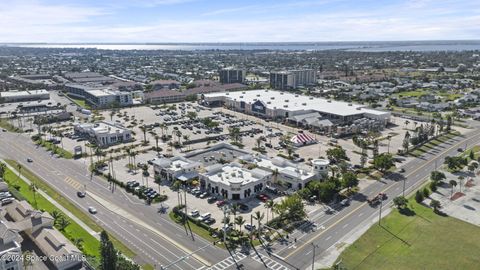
(301, 110)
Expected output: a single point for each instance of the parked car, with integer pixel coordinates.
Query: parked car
(194, 213)
(211, 199)
(204, 217)
(209, 221)
(7, 201)
(243, 207)
(203, 195)
(249, 227)
(221, 203)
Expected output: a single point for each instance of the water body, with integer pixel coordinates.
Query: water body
(469, 45)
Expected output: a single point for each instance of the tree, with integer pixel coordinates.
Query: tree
(460, 182)
(349, 180)
(63, 223)
(449, 123)
(433, 186)
(144, 130)
(437, 176)
(426, 192)
(108, 254)
(336, 154)
(33, 188)
(471, 155)
(240, 221)
(234, 209)
(234, 133)
(455, 163)
(419, 196)
(258, 216)
(363, 157)
(400, 202)
(453, 184)
(406, 142)
(435, 205)
(3, 169)
(269, 206)
(156, 143)
(383, 162)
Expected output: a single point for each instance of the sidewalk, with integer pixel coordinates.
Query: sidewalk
(59, 206)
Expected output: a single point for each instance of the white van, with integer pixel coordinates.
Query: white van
(204, 217)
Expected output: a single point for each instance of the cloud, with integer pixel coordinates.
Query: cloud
(67, 23)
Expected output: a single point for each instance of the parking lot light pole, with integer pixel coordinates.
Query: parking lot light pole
(380, 212)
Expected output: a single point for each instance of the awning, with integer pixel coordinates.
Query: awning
(302, 138)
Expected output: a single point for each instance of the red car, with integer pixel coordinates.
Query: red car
(263, 197)
(220, 203)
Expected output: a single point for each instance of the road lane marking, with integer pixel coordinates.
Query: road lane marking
(365, 203)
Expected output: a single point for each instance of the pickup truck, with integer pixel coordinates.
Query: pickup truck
(377, 199)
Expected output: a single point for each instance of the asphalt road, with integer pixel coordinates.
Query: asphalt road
(132, 225)
(330, 229)
(69, 176)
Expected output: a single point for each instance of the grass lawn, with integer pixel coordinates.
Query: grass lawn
(423, 240)
(6, 125)
(73, 231)
(56, 148)
(80, 102)
(71, 207)
(417, 93)
(433, 143)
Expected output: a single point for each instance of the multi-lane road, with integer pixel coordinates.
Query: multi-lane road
(160, 242)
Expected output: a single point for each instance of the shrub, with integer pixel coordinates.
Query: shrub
(433, 186)
(426, 192)
(419, 196)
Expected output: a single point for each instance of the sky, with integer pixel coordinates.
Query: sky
(90, 21)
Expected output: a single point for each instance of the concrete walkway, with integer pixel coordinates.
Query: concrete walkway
(59, 206)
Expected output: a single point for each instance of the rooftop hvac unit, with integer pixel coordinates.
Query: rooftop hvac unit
(285, 106)
(304, 104)
(358, 109)
(281, 93)
(255, 99)
(272, 98)
(258, 95)
(269, 102)
(311, 98)
(329, 101)
(227, 94)
(286, 100)
(243, 92)
(349, 104)
(296, 95)
(241, 96)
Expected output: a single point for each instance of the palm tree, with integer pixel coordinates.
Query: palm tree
(178, 133)
(269, 205)
(406, 123)
(156, 142)
(19, 168)
(259, 143)
(62, 223)
(240, 221)
(33, 188)
(134, 155)
(460, 180)
(144, 130)
(258, 216)
(435, 205)
(234, 209)
(453, 184)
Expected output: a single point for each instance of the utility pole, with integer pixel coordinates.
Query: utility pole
(404, 180)
(224, 228)
(313, 257)
(380, 213)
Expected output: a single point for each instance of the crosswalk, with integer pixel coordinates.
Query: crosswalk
(226, 263)
(268, 262)
(72, 182)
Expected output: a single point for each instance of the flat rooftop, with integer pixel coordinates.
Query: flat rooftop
(294, 102)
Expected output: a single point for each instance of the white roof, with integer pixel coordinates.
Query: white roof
(234, 174)
(23, 93)
(278, 100)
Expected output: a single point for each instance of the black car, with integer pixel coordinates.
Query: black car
(81, 194)
(243, 207)
(209, 221)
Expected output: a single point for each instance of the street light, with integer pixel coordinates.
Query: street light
(313, 257)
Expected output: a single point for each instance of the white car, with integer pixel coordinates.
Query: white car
(92, 210)
(194, 213)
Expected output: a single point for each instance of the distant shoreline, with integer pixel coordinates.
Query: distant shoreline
(367, 46)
